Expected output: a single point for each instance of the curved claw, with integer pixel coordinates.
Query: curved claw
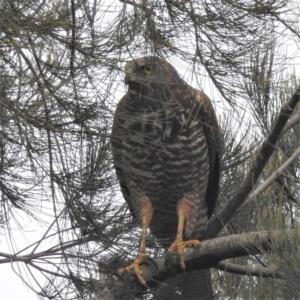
(135, 267)
(178, 246)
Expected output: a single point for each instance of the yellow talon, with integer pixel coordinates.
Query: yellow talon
(135, 267)
(178, 246)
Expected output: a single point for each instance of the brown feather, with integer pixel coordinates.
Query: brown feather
(166, 144)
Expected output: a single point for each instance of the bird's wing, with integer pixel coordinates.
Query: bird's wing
(214, 143)
(117, 138)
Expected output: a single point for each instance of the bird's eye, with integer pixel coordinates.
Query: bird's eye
(147, 69)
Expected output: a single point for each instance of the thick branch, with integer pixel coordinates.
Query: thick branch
(207, 255)
(265, 152)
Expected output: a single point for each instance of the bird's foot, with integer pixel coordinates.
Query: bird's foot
(178, 246)
(135, 267)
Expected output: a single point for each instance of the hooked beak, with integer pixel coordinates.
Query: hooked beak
(130, 75)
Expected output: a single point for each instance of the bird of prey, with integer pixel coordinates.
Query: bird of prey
(166, 146)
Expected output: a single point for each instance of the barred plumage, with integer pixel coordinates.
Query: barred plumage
(166, 147)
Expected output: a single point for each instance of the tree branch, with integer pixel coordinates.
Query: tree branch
(275, 175)
(293, 121)
(249, 270)
(208, 255)
(221, 219)
(133, 3)
(287, 190)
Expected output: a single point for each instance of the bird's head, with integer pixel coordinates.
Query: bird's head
(149, 71)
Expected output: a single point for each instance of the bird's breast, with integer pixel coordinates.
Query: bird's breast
(167, 149)
(166, 158)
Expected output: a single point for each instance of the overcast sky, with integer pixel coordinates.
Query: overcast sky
(11, 286)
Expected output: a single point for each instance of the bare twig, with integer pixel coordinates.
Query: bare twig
(293, 121)
(275, 175)
(287, 190)
(286, 25)
(133, 3)
(268, 272)
(53, 251)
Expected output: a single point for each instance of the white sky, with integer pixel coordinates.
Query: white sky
(11, 286)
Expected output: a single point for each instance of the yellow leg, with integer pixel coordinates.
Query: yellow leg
(178, 245)
(145, 215)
